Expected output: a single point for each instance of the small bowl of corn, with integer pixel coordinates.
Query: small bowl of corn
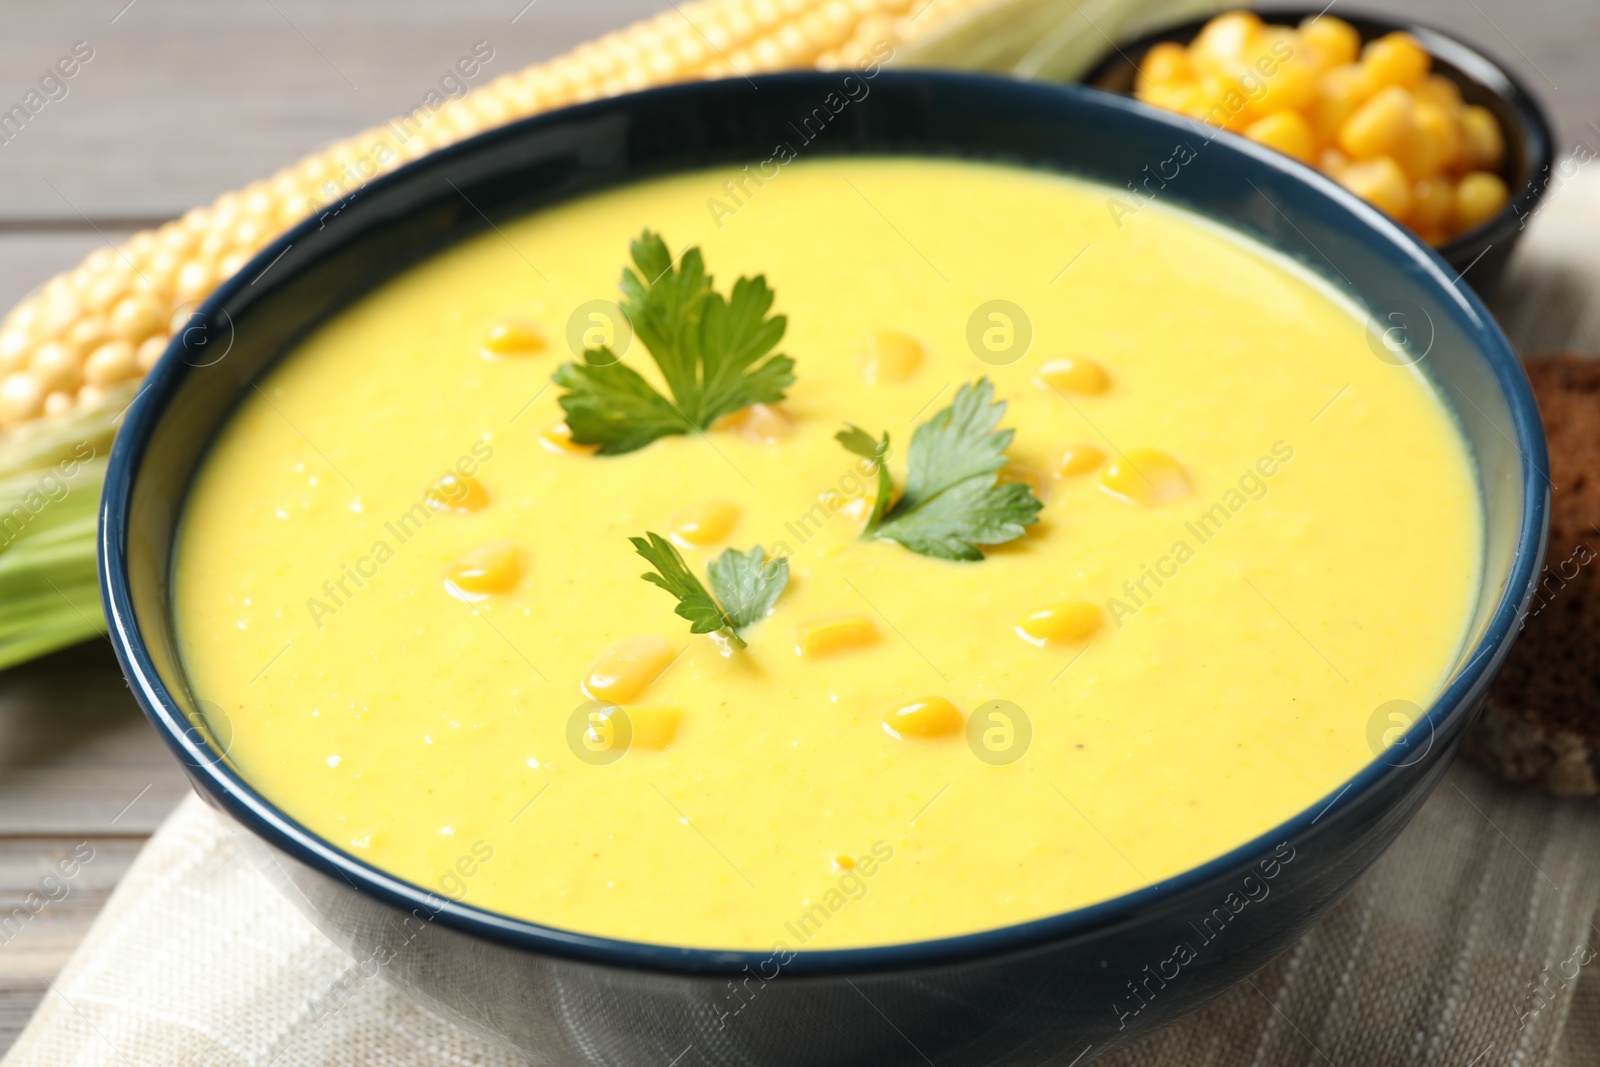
(1420, 124)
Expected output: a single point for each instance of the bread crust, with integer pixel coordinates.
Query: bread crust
(1541, 722)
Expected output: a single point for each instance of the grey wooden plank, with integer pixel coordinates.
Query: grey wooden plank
(82, 777)
(36, 941)
(184, 99)
(50, 891)
(76, 755)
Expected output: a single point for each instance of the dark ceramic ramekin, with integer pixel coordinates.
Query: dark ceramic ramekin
(1481, 253)
(1071, 984)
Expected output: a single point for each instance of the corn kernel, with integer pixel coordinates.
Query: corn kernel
(162, 269)
(1396, 59)
(1437, 89)
(460, 493)
(58, 403)
(1076, 375)
(1071, 620)
(491, 568)
(514, 337)
(1183, 97)
(1379, 127)
(891, 357)
(1285, 131)
(21, 397)
(250, 234)
(1225, 38)
(61, 309)
(1145, 476)
(557, 438)
(1078, 459)
(175, 237)
(15, 346)
(1291, 85)
(112, 362)
(57, 366)
(1165, 64)
(928, 717)
(1340, 92)
(25, 316)
(1433, 202)
(140, 245)
(843, 633)
(195, 279)
(1483, 146)
(622, 671)
(1332, 162)
(1222, 101)
(1271, 41)
(765, 424)
(1068, 621)
(149, 351)
(232, 263)
(654, 725)
(107, 289)
(1381, 182)
(213, 244)
(704, 523)
(1335, 40)
(89, 333)
(134, 318)
(1435, 143)
(1479, 195)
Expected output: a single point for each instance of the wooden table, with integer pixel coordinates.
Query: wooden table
(184, 99)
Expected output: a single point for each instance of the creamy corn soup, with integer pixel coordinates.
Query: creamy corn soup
(409, 600)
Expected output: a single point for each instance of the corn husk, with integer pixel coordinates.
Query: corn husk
(1049, 40)
(51, 474)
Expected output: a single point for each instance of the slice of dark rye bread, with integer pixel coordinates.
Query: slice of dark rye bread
(1541, 723)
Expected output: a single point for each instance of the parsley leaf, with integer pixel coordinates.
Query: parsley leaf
(747, 584)
(861, 443)
(953, 501)
(695, 602)
(613, 406)
(714, 354)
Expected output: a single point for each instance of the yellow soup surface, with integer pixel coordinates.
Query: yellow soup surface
(1255, 536)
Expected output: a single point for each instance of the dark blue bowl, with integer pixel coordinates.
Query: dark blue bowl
(1078, 983)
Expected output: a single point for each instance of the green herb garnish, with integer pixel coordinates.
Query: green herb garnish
(710, 352)
(953, 501)
(745, 585)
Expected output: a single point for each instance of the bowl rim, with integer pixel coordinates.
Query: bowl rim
(1534, 128)
(227, 790)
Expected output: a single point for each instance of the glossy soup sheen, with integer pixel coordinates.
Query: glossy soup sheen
(1248, 634)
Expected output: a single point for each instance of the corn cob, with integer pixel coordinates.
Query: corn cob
(73, 352)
